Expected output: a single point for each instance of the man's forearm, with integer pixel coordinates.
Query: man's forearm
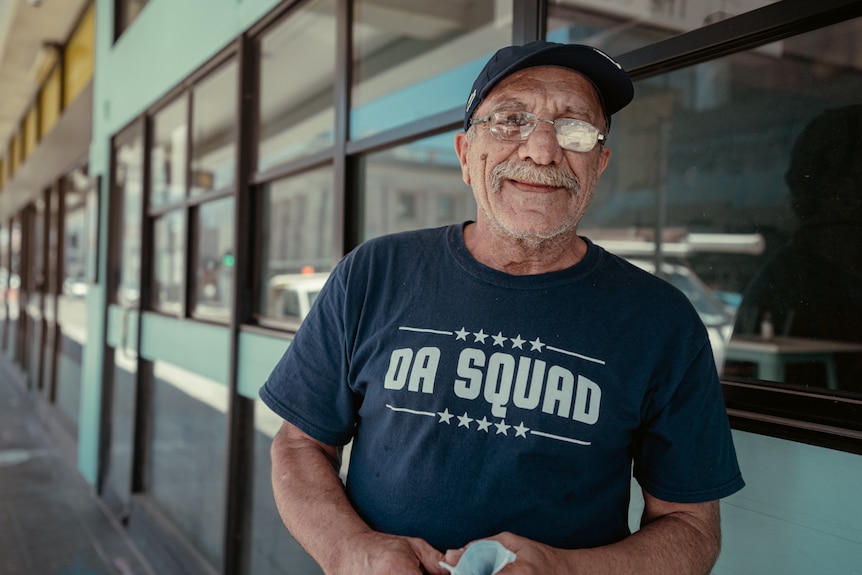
(313, 505)
(310, 497)
(676, 542)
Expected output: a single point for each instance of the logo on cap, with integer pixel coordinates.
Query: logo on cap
(470, 99)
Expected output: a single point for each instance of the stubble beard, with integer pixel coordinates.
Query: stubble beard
(543, 176)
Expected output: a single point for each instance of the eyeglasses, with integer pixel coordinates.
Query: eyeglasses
(514, 126)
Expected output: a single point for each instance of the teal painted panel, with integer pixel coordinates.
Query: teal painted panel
(89, 408)
(258, 354)
(166, 43)
(800, 512)
(194, 346)
(122, 328)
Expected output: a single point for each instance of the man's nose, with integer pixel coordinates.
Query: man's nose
(541, 145)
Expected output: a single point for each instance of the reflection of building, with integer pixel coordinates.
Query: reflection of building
(270, 141)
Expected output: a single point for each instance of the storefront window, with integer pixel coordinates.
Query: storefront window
(128, 186)
(72, 303)
(739, 179)
(297, 70)
(168, 154)
(618, 26)
(169, 262)
(188, 454)
(415, 59)
(417, 185)
(213, 162)
(273, 549)
(214, 260)
(297, 243)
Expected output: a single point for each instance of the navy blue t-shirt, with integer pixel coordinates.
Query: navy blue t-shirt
(482, 402)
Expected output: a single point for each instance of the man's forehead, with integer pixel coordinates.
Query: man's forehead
(575, 89)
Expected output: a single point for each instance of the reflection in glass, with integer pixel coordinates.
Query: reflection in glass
(297, 243)
(418, 58)
(35, 286)
(128, 186)
(417, 185)
(273, 550)
(188, 454)
(168, 262)
(214, 260)
(700, 179)
(297, 67)
(118, 472)
(168, 154)
(214, 131)
(71, 304)
(618, 26)
(13, 294)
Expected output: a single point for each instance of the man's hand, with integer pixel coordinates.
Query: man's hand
(532, 558)
(381, 553)
(674, 538)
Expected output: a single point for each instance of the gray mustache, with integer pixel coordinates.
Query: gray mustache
(533, 174)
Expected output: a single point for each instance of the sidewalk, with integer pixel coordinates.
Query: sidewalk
(51, 522)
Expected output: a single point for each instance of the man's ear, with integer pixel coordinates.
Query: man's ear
(462, 145)
(603, 161)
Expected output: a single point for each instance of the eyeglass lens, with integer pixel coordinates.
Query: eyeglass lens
(572, 134)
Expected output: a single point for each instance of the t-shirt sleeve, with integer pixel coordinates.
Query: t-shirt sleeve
(684, 451)
(308, 387)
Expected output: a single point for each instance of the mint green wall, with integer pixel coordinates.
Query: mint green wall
(258, 354)
(800, 512)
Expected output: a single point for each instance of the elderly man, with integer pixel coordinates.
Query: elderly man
(499, 378)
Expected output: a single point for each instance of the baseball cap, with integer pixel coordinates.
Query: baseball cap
(607, 75)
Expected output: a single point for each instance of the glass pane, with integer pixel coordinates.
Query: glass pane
(297, 70)
(273, 550)
(418, 58)
(168, 154)
(188, 454)
(72, 305)
(214, 260)
(123, 389)
(129, 185)
(728, 179)
(12, 296)
(297, 241)
(214, 131)
(414, 186)
(618, 26)
(168, 263)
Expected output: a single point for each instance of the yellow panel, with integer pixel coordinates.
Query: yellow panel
(31, 134)
(16, 152)
(78, 57)
(49, 102)
(2, 174)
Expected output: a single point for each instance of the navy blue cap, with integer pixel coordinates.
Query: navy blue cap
(610, 80)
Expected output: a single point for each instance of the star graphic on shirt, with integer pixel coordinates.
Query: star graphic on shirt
(480, 336)
(462, 334)
(499, 339)
(521, 430)
(536, 345)
(502, 427)
(445, 416)
(484, 424)
(464, 421)
(518, 342)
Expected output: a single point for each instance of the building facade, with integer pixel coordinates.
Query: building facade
(178, 177)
